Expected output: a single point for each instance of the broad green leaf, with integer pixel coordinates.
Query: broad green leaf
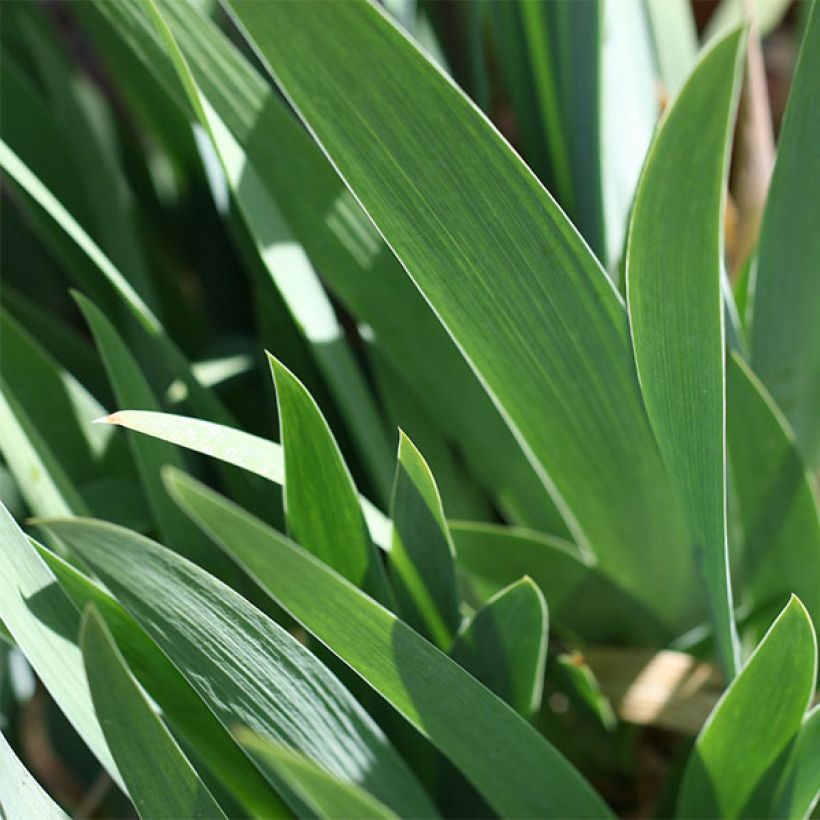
(44, 624)
(252, 453)
(321, 505)
(289, 268)
(504, 645)
(514, 298)
(581, 599)
(181, 706)
(343, 245)
(676, 311)
(243, 665)
(520, 776)
(785, 333)
(675, 38)
(754, 721)
(421, 560)
(777, 499)
(131, 389)
(326, 795)
(43, 483)
(20, 794)
(161, 780)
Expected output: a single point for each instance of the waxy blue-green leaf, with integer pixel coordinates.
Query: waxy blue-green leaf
(421, 561)
(44, 624)
(324, 794)
(161, 781)
(673, 280)
(252, 453)
(321, 504)
(520, 774)
(343, 245)
(504, 645)
(506, 273)
(754, 721)
(581, 599)
(20, 794)
(776, 498)
(181, 706)
(785, 332)
(247, 669)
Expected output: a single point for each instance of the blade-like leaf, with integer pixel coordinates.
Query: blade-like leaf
(581, 599)
(181, 706)
(343, 245)
(505, 271)
(776, 497)
(504, 645)
(20, 794)
(252, 453)
(321, 504)
(676, 311)
(421, 561)
(44, 624)
(326, 795)
(160, 779)
(242, 664)
(675, 38)
(785, 332)
(754, 721)
(798, 792)
(521, 775)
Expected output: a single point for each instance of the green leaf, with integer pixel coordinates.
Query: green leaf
(754, 721)
(20, 794)
(252, 453)
(777, 499)
(321, 505)
(342, 244)
(581, 599)
(504, 645)
(514, 298)
(44, 624)
(676, 311)
(326, 795)
(523, 776)
(288, 266)
(676, 40)
(161, 780)
(785, 333)
(131, 389)
(243, 665)
(181, 706)
(799, 789)
(421, 561)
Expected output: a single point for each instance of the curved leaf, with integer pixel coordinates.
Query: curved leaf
(20, 794)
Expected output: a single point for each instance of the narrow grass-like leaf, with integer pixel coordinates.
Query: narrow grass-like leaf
(581, 599)
(20, 794)
(252, 453)
(181, 706)
(242, 664)
(161, 781)
(529, 284)
(504, 645)
(520, 775)
(798, 792)
(131, 389)
(326, 795)
(421, 561)
(676, 40)
(321, 505)
(754, 721)
(45, 624)
(776, 497)
(343, 245)
(676, 311)
(785, 332)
